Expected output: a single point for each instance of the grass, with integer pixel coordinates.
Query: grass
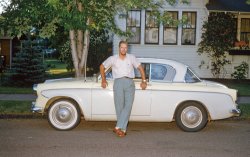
(245, 109)
(15, 107)
(55, 66)
(243, 88)
(8, 107)
(57, 69)
(15, 90)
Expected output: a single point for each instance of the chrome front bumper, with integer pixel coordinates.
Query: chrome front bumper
(35, 109)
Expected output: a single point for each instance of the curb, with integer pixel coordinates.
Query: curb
(22, 116)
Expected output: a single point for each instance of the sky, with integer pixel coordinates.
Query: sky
(3, 2)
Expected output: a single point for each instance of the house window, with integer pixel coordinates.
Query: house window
(245, 30)
(189, 29)
(151, 29)
(236, 28)
(134, 26)
(170, 29)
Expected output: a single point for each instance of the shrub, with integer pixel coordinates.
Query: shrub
(241, 71)
(27, 67)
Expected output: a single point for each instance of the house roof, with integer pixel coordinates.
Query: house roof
(228, 5)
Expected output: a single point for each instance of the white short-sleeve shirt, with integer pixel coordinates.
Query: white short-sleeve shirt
(122, 68)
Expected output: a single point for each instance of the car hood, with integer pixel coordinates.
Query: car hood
(71, 79)
(66, 83)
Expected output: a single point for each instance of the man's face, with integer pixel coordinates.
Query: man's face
(123, 49)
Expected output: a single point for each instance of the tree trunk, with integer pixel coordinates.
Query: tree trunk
(79, 43)
(73, 43)
(79, 51)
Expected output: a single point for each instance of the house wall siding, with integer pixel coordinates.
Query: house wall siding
(186, 54)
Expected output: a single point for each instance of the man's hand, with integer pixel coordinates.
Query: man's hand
(143, 85)
(144, 82)
(104, 84)
(102, 71)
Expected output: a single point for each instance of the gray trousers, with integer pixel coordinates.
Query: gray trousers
(124, 91)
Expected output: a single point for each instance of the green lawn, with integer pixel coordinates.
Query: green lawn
(55, 66)
(15, 107)
(243, 88)
(245, 109)
(57, 69)
(14, 90)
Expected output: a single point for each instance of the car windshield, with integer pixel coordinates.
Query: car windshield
(190, 77)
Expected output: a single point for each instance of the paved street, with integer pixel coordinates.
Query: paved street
(34, 137)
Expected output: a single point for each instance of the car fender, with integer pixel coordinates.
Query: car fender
(82, 98)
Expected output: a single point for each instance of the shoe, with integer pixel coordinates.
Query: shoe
(121, 133)
(116, 130)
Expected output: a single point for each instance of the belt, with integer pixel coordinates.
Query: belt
(125, 77)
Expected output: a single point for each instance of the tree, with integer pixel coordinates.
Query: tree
(218, 37)
(78, 17)
(99, 50)
(27, 67)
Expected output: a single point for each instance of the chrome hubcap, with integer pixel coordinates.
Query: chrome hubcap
(63, 114)
(191, 116)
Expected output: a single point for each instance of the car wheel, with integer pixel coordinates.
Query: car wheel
(191, 117)
(64, 114)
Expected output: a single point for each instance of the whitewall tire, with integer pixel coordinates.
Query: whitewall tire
(64, 114)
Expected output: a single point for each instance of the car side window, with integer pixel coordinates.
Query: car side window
(146, 67)
(162, 72)
(190, 77)
(109, 75)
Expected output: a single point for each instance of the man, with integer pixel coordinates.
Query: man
(123, 65)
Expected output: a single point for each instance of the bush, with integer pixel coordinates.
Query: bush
(27, 67)
(241, 71)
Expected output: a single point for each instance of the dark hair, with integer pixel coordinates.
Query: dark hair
(123, 42)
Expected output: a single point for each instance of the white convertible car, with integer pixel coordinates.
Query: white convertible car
(174, 93)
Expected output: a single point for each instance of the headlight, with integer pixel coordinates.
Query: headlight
(35, 87)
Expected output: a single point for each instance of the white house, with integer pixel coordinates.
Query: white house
(181, 43)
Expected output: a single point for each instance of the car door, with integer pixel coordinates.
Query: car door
(142, 100)
(102, 99)
(103, 103)
(163, 97)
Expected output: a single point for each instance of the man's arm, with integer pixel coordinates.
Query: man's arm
(104, 83)
(143, 76)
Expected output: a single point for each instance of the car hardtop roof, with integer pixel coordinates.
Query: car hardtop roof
(161, 61)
